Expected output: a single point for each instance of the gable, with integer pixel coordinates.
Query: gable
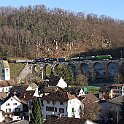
(61, 83)
(10, 100)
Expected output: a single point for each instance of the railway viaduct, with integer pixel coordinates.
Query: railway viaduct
(94, 70)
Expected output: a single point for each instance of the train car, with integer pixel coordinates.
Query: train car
(51, 59)
(61, 59)
(24, 61)
(103, 57)
(37, 60)
(75, 59)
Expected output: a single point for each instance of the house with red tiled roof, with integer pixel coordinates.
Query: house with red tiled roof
(18, 89)
(111, 91)
(91, 106)
(6, 85)
(112, 106)
(12, 106)
(61, 104)
(66, 120)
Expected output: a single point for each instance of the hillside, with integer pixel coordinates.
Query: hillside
(33, 32)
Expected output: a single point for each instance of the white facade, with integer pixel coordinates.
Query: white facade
(74, 108)
(71, 108)
(117, 91)
(13, 104)
(5, 89)
(62, 83)
(54, 108)
(1, 116)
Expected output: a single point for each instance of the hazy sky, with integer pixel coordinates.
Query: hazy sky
(112, 8)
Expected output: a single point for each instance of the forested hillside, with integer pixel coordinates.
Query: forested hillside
(38, 31)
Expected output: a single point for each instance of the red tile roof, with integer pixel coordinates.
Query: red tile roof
(89, 97)
(64, 120)
(118, 85)
(3, 95)
(58, 96)
(26, 96)
(4, 83)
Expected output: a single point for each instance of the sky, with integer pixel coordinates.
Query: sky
(112, 8)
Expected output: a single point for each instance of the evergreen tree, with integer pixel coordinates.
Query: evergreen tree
(37, 112)
(122, 112)
(66, 73)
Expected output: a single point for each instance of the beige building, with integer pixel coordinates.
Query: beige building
(117, 90)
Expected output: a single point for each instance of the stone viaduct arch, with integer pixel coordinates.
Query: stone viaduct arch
(94, 70)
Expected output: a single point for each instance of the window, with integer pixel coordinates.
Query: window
(61, 110)
(17, 109)
(48, 102)
(7, 104)
(14, 103)
(72, 109)
(52, 109)
(8, 110)
(55, 109)
(49, 108)
(61, 103)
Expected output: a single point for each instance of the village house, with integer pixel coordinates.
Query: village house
(61, 104)
(66, 120)
(12, 106)
(18, 89)
(26, 97)
(112, 91)
(17, 108)
(42, 90)
(111, 107)
(6, 85)
(91, 106)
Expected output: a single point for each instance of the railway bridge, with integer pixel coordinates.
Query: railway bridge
(95, 70)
